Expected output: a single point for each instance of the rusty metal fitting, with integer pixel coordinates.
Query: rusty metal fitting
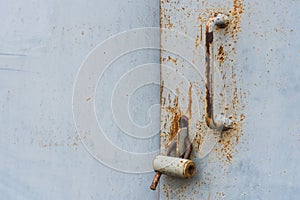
(175, 167)
(221, 121)
(155, 181)
(179, 166)
(221, 20)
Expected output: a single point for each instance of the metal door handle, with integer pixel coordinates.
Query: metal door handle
(220, 121)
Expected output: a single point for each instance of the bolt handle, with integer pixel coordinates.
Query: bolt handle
(155, 181)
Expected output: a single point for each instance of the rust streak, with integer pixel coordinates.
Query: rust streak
(237, 11)
(209, 92)
(174, 60)
(176, 113)
(201, 33)
(221, 55)
(189, 109)
(162, 100)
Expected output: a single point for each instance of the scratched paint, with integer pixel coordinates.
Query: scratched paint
(238, 164)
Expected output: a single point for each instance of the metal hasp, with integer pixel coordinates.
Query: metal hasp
(221, 121)
(180, 166)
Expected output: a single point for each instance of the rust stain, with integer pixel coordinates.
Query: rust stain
(162, 59)
(162, 98)
(168, 24)
(189, 109)
(176, 113)
(198, 41)
(231, 138)
(166, 191)
(201, 33)
(227, 144)
(225, 149)
(237, 11)
(235, 99)
(161, 91)
(209, 92)
(199, 136)
(173, 60)
(221, 55)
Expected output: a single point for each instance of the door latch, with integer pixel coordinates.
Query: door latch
(176, 163)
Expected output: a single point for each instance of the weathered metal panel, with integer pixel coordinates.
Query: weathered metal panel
(256, 84)
(42, 45)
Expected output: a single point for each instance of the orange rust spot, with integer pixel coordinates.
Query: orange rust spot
(176, 113)
(198, 41)
(173, 60)
(163, 101)
(235, 99)
(166, 190)
(162, 59)
(168, 24)
(221, 55)
(242, 117)
(228, 144)
(199, 136)
(233, 75)
(237, 11)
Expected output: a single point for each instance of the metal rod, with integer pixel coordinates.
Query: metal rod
(155, 181)
(221, 121)
(189, 148)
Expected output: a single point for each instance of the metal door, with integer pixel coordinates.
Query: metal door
(43, 45)
(256, 73)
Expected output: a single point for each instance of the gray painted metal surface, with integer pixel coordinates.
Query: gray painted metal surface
(43, 44)
(257, 84)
